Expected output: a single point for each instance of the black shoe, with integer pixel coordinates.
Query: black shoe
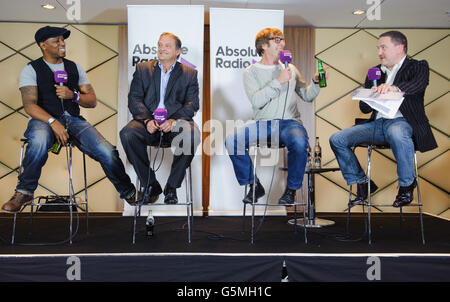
(405, 195)
(131, 199)
(259, 192)
(171, 195)
(151, 194)
(362, 192)
(287, 198)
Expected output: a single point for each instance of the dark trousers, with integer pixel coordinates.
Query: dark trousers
(185, 137)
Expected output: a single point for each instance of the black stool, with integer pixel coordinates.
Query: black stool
(373, 146)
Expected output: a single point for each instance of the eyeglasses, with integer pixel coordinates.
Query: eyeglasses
(277, 39)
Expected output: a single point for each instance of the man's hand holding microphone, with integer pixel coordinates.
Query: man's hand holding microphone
(160, 122)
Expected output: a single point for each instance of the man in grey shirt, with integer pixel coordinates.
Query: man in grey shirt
(55, 116)
(272, 88)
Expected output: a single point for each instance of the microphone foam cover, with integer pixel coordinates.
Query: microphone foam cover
(60, 76)
(160, 115)
(285, 56)
(374, 73)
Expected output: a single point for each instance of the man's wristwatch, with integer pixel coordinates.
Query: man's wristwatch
(51, 120)
(174, 122)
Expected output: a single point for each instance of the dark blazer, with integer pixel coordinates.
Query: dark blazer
(412, 79)
(181, 99)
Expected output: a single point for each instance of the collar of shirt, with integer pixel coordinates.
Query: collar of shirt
(162, 68)
(394, 69)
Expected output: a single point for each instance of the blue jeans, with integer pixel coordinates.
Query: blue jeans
(396, 132)
(289, 132)
(41, 138)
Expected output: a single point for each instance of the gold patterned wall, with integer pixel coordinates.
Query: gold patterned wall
(349, 53)
(95, 48)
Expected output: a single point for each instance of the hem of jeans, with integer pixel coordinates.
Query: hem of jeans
(244, 183)
(24, 192)
(360, 181)
(410, 183)
(296, 187)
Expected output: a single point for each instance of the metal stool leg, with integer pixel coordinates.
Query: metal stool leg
(30, 232)
(22, 148)
(138, 184)
(401, 218)
(304, 216)
(295, 214)
(86, 193)
(349, 207)
(254, 194)
(188, 203)
(71, 193)
(134, 220)
(419, 199)
(243, 214)
(191, 199)
(14, 228)
(22, 154)
(368, 194)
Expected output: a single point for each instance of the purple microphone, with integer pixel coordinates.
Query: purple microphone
(60, 77)
(285, 57)
(160, 115)
(374, 74)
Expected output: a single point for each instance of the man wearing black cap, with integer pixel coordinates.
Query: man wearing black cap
(50, 117)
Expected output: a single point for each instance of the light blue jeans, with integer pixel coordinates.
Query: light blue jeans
(41, 138)
(396, 132)
(289, 132)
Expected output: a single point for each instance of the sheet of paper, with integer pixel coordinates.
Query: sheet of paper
(387, 103)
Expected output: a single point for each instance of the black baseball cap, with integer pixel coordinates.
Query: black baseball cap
(46, 32)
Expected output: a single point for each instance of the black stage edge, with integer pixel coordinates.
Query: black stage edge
(221, 252)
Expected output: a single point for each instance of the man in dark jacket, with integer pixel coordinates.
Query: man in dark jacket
(55, 116)
(406, 131)
(169, 85)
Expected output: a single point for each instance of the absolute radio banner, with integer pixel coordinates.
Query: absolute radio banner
(232, 49)
(145, 25)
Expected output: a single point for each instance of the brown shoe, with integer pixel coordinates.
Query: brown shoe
(16, 202)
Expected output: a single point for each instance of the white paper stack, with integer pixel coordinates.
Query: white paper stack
(387, 103)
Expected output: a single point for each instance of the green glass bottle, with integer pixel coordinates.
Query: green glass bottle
(322, 78)
(56, 147)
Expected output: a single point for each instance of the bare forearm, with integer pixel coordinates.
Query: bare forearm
(36, 112)
(88, 99)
